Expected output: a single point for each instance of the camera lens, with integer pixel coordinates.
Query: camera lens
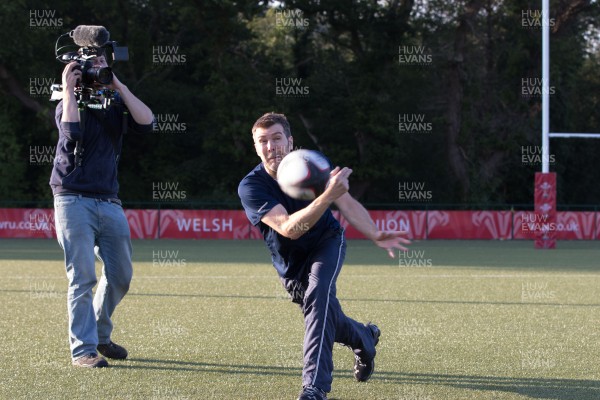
(103, 75)
(91, 75)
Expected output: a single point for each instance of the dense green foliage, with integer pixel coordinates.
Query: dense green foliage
(346, 61)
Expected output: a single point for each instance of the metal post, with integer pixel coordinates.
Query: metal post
(545, 20)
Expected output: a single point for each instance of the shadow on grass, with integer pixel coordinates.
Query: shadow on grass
(49, 294)
(384, 300)
(537, 388)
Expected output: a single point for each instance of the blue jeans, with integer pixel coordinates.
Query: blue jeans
(86, 227)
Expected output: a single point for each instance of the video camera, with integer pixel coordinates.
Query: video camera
(92, 41)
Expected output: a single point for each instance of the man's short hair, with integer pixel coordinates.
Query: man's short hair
(270, 119)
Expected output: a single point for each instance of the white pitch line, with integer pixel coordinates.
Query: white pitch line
(371, 276)
(501, 276)
(37, 277)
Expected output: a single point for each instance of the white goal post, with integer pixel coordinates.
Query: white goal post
(545, 181)
(546, 135)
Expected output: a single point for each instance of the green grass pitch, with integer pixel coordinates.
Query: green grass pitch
(209, 320)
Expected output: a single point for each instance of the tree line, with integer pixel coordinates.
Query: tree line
(445, 96)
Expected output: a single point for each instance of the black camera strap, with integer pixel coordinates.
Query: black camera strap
(115, 137)
(78, 153)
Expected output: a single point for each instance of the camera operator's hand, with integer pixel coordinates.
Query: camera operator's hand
(70, 76)
(115, 84)
(139, 111)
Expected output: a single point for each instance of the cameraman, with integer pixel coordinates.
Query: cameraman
(89, 218)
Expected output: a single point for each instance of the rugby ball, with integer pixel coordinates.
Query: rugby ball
(303, 174)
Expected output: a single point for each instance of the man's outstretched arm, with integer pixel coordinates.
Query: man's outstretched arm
(359, 218)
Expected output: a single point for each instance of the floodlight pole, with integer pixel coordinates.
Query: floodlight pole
(545, 20)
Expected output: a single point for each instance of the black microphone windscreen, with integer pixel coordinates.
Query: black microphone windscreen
(90, 35)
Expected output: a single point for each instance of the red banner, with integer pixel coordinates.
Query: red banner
(572, 225)
(469, 224)
(413, 222)
(569, 225)
(524, 225)
(27, 223)
(143, 224)
(204, 224)
(233, 224)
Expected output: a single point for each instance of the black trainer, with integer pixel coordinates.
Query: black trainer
(363, 368)
(90, 361)
(310, 392)
(112, 350)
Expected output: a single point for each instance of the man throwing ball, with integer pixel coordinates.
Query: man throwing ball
(308, 247)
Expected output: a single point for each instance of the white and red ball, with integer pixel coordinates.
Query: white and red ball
(303, 174)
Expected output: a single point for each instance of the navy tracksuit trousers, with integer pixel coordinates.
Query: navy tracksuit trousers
(314, 288)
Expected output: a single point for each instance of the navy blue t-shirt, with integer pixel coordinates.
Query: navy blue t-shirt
(259, 193)
(102, 141)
